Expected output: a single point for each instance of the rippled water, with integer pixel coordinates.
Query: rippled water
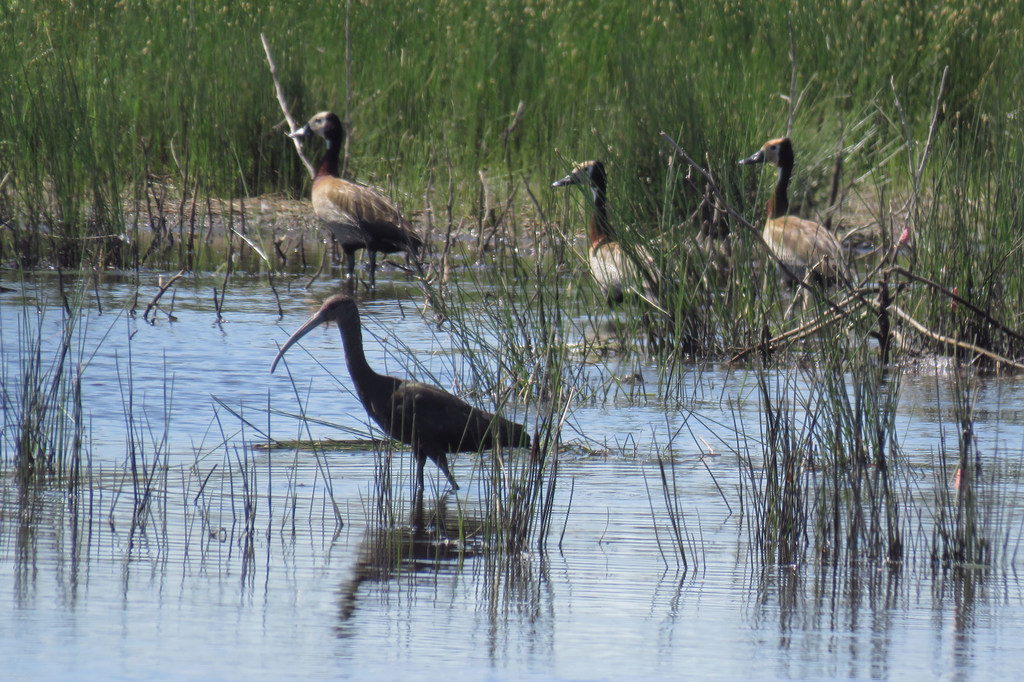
(189, 588)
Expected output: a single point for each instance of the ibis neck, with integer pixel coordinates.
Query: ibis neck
(352, 338)
(780, 200)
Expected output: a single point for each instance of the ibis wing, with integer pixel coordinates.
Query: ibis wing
(439, 420)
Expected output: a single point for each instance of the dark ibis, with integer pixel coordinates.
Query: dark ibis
(432, 421)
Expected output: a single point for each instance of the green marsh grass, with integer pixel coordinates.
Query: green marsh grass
(146, 135)
(828, 480)
(105, 98)
(44, 436)
(485, 360)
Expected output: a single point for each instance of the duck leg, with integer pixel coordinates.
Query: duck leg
(372, 267)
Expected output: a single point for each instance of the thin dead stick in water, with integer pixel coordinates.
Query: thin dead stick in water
(218, 303)
(159, 294)
(959, 300)
(292, 126)
(811, 327)
(323, 262)
(270, 268)
(953, 342)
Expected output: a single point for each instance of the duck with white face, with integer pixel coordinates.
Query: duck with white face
(617, 273)
(359, 217)
(802, 247)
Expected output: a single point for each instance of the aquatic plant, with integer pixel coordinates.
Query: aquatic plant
(44, 436)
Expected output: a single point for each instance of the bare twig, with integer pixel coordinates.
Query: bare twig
(811, 327)
(945, 340)
(292, 126)
(792, 78)
(219, 302)
(159, 294)
(486, 215)
(323, 263)
(960, 301)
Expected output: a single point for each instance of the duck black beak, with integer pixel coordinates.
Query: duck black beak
(569, 179)
(756, 157)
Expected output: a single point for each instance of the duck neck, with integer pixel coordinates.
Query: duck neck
(779, 204)
(329, 163)
(600, 228)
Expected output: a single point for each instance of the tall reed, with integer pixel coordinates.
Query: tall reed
(42, 392)
(107, 99)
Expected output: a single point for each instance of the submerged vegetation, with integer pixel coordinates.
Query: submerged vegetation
(139, 136)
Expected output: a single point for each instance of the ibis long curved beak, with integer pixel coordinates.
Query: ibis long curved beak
(756, 157)
(309, 325)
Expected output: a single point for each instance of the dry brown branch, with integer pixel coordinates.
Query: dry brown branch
(945, 340)
(159, 294)
(292, 126)
(323, 264)
(807, 329)
(960, 301)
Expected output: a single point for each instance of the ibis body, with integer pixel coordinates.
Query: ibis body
(430, 420)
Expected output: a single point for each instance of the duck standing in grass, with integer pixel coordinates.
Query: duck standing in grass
(802, 247)
(358, 216)
(617, 272)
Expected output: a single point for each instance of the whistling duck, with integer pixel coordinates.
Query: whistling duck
(803, 246)
(358, 216)
(432, 421)
(615, 271)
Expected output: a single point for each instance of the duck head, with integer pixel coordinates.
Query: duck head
(327, 125)
(778, 152)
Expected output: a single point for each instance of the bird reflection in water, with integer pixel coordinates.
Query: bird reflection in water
(436, 541)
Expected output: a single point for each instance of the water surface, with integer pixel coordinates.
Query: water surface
(193, 587)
